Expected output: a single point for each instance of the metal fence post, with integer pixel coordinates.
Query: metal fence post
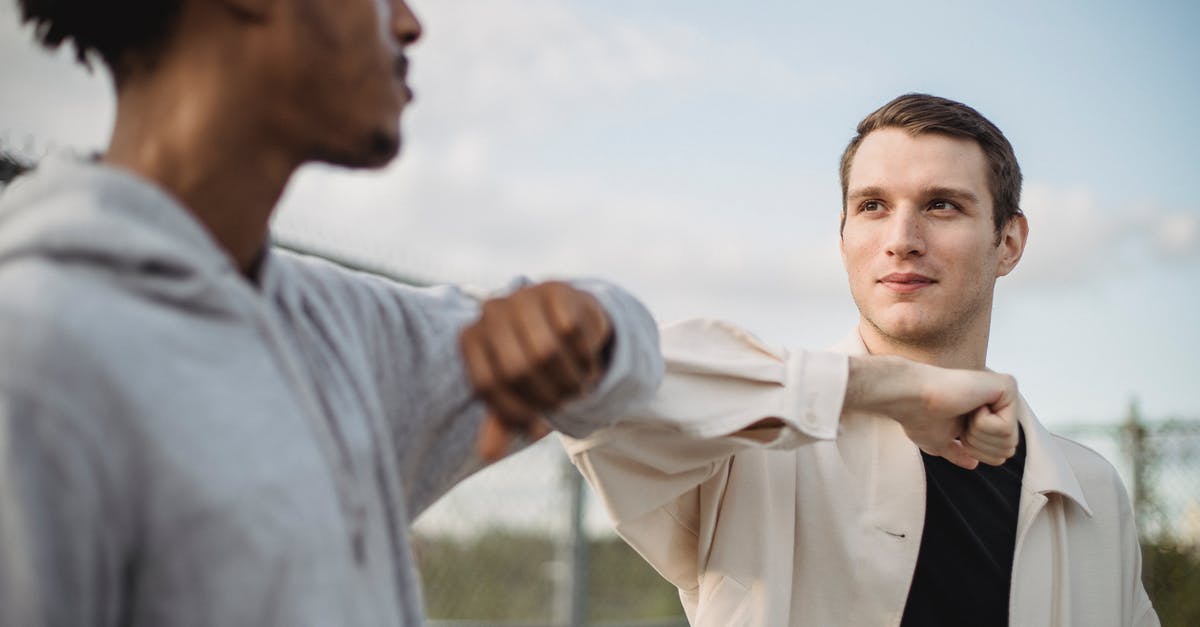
(1135, 438)
(571, 589)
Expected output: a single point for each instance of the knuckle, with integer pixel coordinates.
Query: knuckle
(484, 381)
(493, 307)
(558, 287)
(549, 290)
(544, 357)
(571, 326)
(481, 376)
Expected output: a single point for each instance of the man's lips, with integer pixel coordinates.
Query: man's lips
(906, 282)
(400, 67)
(400, 70)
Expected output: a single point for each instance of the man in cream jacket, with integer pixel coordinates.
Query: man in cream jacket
(802, 488)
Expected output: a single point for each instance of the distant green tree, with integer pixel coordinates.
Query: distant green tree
(1171, 572)
(501, 575)
(622, 586)
(509, 575)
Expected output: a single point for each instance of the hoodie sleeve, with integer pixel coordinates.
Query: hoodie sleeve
(634, 371)
(61, 562)
(409, 339)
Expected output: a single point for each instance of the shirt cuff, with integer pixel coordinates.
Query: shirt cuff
(722, 380)
(816, 382)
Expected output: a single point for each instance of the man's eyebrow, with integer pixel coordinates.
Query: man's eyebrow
(952, 193)
(861, 192)
(937, 191)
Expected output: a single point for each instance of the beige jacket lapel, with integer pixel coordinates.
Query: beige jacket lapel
(1041, 574)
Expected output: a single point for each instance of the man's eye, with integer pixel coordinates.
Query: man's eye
(943, 205)
(871, 205)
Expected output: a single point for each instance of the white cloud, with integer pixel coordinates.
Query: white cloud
(491, 72)
(1177, 235)
(1074, 237)
(515, 63)
(526, 66)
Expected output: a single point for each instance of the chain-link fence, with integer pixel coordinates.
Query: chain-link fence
(522, 543)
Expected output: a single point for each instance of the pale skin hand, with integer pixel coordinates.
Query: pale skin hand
(528, 354)
(964, 416)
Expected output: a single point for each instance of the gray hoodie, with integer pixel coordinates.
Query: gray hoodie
(181, 447)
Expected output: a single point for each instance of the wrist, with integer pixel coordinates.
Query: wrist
(877, 382)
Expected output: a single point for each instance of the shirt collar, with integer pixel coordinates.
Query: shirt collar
(1046, 467)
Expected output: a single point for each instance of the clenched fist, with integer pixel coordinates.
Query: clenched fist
(529, 353)
(965, 416)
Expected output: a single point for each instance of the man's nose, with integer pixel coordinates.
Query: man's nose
(405, 26)
(904, 236)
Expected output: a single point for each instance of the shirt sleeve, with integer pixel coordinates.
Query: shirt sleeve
(656, 469)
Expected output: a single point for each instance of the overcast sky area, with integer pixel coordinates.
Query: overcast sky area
(688, 150)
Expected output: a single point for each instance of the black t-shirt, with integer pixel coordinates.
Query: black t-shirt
(964, 567)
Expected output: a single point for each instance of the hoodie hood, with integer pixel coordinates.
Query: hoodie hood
(104, 219)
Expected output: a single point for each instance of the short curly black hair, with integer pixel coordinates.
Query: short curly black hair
(124, 33)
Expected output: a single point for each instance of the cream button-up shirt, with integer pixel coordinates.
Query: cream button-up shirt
(819, 522)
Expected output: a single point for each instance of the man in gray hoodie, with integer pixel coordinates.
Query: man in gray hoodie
(198, 430)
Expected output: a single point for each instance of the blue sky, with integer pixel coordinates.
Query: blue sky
(689, 151)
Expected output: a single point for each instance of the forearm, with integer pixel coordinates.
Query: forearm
(878, 384)
(874, 385)
(965, 416)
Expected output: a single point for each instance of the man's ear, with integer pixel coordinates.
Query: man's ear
(1012, 244)
(257, 10)
(842, 240)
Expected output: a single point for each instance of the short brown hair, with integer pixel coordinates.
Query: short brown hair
(922, 113)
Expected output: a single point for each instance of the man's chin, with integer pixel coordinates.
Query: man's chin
(911, 330)
(376, 150)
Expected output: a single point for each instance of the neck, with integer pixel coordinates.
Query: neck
(185, 131)
(965, 348)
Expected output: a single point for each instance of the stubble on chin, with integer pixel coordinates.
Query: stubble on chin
(919, 336)
(929, 329)
(916, 329)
